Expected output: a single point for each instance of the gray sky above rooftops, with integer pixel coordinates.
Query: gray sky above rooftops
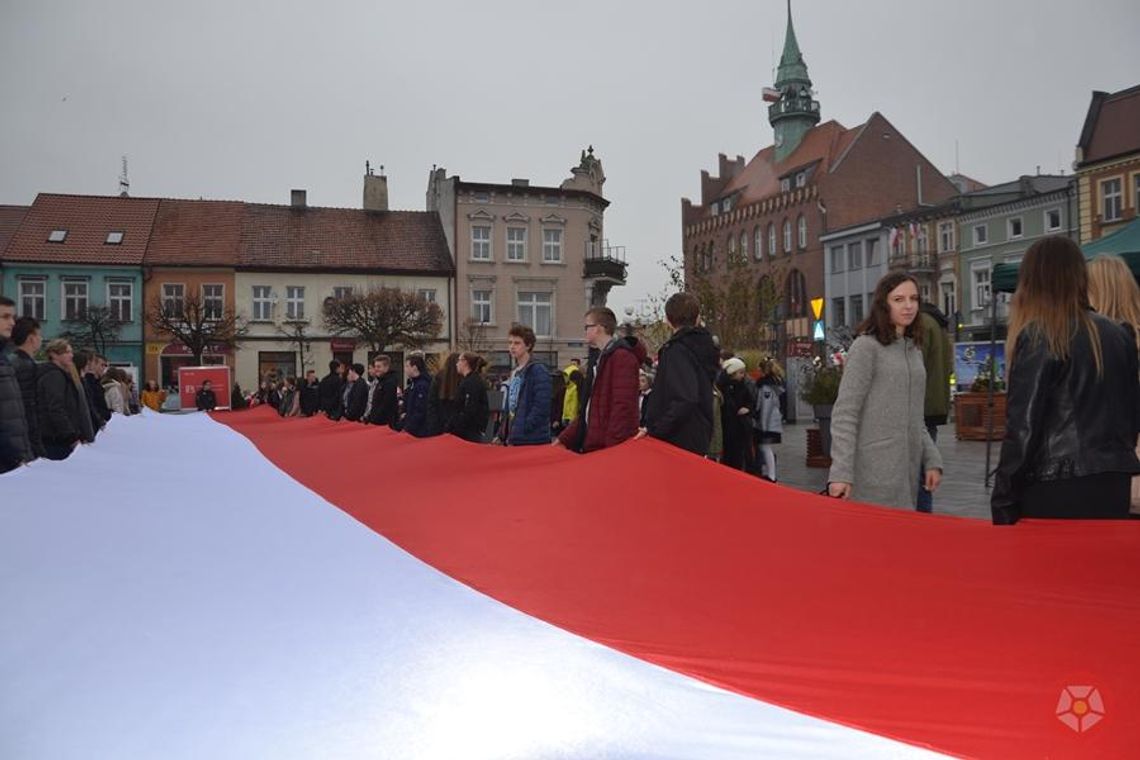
(245, 100)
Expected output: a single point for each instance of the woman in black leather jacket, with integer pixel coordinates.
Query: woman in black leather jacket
(1073, 402)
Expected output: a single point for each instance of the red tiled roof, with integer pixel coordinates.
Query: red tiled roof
(10, 218)
(287, 237)
(87, 219)
(761, 177)
(196, 233)
(1115, 130)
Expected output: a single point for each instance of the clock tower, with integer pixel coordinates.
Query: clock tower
(794, 112)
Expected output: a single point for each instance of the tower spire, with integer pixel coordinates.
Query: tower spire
(795, 112)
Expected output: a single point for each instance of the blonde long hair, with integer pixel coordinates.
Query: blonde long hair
(1113, 291)
(1052, 300)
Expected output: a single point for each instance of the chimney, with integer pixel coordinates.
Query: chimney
(297, 198)
(375, 191)
(520, 182)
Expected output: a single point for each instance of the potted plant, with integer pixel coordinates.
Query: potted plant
(819, 386)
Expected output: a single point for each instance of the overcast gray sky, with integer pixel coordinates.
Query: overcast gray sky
(245, 100)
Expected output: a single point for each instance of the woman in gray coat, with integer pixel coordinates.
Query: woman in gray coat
(878, 434)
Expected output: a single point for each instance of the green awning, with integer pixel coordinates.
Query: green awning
(1124, 243)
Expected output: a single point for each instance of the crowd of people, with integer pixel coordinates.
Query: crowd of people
(48, 408)
(1073, 398)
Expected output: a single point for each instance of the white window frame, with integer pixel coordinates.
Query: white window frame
(261, 297)
(120, 298)
(57, 235)
(209, 301)
(342, 291)
(533, 301)
(295, 303)
(114, 237)
(855, 256)
(1045, 219)
(949, 307)
(78, 299)
(480, 305)
(1009, 228)
(732, 247)
(984, 238)
(787, 236)
(38, 300)
(977, 303)
(758, 243)
(480, 246)
(551, 245)
(772, 249)
(1106, 196)
(785, 184)
(837, 254)
(801, 232)
(428, 294)
(870, 246)
(173, 293)
(945, 236)
(743, 245)
(516, 248)
(801, 179)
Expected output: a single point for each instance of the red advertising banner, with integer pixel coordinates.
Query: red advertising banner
(190, 381)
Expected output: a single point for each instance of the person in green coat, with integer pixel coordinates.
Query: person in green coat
(938, 357)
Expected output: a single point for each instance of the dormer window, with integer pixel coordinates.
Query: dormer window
(785, 185)
(57, 236)
(114, 238)
(801, 179)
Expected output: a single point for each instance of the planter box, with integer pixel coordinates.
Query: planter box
(972, 416)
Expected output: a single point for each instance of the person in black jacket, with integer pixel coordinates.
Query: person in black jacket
(681, 405)
(310, 394)
(474, 412)
(64, 420)
(354, 397)
(205, 399)
(383, 405)
(15, 446)
(443, 397)
(414, 420)
(331, 391)
(1073, 398)
(27, 338)
(736, 415)
(85, 364)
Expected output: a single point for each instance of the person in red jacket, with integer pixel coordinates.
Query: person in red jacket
(608, 409)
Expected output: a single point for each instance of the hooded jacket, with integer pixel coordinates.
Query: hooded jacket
(415, 406)
(681, 405)
(15, 446)
(611, 413)
(570, 398)
(62, 413)
(938, 357)
(530, 423)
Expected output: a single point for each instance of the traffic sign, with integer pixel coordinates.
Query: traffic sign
(817, 307)
(817, 333)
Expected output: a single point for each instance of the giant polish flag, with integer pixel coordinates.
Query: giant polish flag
(244, 586)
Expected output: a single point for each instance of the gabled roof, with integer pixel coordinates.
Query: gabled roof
(87, 219)
(284, 237)
(10, 218)
(195, 233)
(1112, 126)
(761, 176)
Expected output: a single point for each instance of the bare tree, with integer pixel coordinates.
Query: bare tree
(739, 305)
(297, 333)
(190, 322)
(385, 317)
(473, 336)
(93, 327)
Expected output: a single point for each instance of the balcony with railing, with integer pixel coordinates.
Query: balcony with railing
(605, 262)
(914, 262)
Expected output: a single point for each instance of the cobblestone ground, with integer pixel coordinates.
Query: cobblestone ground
(962, 491)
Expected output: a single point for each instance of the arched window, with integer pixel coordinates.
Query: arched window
(767, 299)
(757, 243)
(795, 295)
(787, 236)
(771, 239)
(743, 246)
(802, 225)
(710, 257)
(731, 248)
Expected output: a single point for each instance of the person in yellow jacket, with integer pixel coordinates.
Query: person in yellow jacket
(153, 396)
(573, 374)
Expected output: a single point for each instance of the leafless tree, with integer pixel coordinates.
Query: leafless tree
(189, 321)
(296, 332)
(94, 327)
(383, 317)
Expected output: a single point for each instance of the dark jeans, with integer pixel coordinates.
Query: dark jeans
(1107, 495)
(925, 501)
